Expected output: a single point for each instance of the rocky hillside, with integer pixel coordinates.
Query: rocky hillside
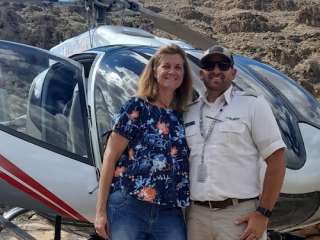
(283, 33)
(43, 25)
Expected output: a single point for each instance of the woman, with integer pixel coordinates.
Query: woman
(145, 168)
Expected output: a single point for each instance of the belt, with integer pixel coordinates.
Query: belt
(222, 204)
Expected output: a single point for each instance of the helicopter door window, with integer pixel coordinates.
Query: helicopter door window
(61, 118)
(116, 81)
(36, 93)
(86, 59)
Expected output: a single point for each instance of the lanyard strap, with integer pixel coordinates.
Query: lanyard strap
(211, 127)
(215, 119)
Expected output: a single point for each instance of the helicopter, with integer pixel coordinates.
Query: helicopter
(56, 113)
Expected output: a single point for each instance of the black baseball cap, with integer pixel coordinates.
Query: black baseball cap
(216, 50)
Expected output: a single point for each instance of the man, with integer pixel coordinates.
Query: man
(229, 132)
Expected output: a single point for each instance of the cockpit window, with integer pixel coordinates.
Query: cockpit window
(306, 105)
(145, 50)
(287, 121)
(116, 82)
(38, 99)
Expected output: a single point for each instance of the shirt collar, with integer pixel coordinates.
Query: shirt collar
(225, 97)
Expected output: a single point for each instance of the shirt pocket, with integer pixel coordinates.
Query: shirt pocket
(230, 132)
(192, 130)
(232, 127)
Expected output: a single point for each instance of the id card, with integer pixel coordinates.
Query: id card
(202, 172)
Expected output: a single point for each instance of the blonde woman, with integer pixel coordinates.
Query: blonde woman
(144, 180)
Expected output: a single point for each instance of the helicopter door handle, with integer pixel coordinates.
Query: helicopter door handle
(94, 189)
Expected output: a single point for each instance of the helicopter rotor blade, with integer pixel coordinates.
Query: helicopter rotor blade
(180, 30)
(196, 39)
(103, 4)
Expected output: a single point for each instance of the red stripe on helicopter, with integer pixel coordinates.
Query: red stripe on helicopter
(62, 208)
(23, 188)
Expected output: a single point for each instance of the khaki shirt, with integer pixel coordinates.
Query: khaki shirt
(245, 132)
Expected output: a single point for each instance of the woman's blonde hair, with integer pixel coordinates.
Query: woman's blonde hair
(148, 85)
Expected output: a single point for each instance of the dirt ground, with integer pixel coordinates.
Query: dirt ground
(42, 229)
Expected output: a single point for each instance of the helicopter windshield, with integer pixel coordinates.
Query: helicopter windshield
(308, 108)
(119, 71)
(115, 82)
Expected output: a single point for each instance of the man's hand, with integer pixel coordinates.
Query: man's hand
(256, 226)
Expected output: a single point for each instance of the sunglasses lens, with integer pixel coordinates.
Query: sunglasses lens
(223, 66)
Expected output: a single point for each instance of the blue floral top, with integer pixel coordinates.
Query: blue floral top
(154, 167)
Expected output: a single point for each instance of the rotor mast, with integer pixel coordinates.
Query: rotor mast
(98, 9)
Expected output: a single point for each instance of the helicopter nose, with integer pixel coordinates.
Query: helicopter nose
(306, 164)
(311, 140)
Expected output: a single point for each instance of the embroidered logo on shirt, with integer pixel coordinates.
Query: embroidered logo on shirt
(233, 118)
(215, 119)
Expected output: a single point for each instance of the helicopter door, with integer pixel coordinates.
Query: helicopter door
(114, 81)
(45, 160)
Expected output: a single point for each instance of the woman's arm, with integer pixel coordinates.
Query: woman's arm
(115, 147)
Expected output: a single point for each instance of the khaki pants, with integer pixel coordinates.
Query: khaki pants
(218, 224)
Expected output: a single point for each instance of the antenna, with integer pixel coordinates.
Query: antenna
(88, 5)
(101, 8)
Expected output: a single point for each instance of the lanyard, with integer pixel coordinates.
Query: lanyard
(211, 127)
(215, 120)
(202, 168)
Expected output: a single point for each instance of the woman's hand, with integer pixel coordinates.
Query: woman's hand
(101, 225)
(115, 147)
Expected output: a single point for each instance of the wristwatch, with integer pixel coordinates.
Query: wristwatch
(264, 211)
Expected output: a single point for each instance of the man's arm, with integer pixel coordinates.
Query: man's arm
(273, 179)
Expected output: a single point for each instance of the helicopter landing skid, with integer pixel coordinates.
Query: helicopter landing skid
(17, 231)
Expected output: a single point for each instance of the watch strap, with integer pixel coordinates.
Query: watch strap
(264, 211)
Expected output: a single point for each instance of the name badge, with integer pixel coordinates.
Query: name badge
(202, 172)
(189, 124)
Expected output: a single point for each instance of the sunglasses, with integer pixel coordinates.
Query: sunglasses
(210, 65)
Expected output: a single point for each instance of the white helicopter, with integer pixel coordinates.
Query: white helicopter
(56, 112)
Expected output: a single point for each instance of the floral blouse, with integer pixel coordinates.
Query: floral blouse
(154, 167)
